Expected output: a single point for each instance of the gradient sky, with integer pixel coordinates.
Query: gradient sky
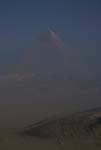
(22, 20)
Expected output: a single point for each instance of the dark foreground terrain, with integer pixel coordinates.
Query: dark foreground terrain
(82, 124)
(79, 131)
(17, 142)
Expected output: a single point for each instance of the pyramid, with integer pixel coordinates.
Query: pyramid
(44, 57)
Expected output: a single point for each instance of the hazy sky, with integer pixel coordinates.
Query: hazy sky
(77, 22)
(24, 19)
